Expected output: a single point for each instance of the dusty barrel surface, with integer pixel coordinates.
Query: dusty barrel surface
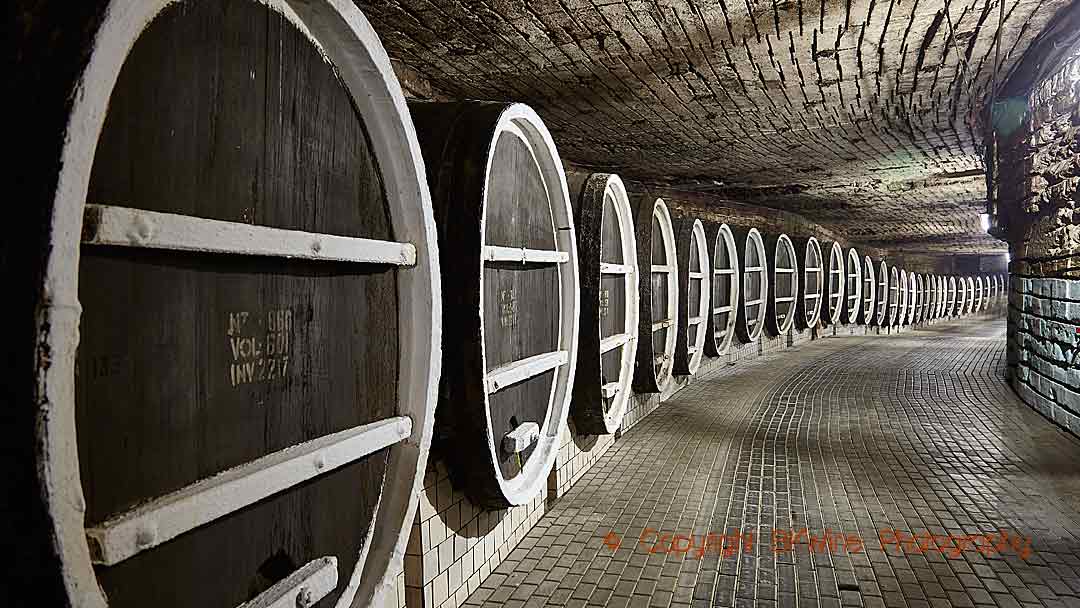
(833, 307)
(869, 289)
(782, 262)
(853, 287)
(658, 286)
(881, 315)
(511, 294)
(754, 289)
(243, 311)
(694, 292)
(808, 306)
(608, 271)
(724, 287)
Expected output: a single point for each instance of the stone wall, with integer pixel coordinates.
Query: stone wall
(1044, 346)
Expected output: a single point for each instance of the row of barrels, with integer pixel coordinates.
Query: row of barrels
(262, 282)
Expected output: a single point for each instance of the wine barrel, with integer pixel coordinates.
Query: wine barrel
(923, 313)
(725, 289)
(511, 293)
(980, 292)
(894, 296)
(904, 306)
(783, 264)
(808, 305)
(913, 297)
(884, 291)
(608, 274)
(239, 341)
(834, 286)
(950, 297)
(995, 287)
(754, 290)
(961, 296)
(694, 292)
(866, 317)
(971, 301)
(659, 289)
(853, 287)
(943, 297)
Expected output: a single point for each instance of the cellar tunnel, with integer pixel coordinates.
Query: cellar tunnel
(442, 303)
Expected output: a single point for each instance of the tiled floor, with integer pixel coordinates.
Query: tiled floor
(880, 440)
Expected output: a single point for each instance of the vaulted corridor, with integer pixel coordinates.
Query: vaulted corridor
(868, 442)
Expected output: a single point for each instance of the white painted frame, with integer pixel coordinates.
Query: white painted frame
(345, 37)
(522, 122)
(725, 239)
(662, 217)
(853, 287)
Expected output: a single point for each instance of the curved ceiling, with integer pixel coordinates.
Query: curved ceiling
(859, 114)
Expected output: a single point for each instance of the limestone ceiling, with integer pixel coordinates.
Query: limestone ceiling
(859, 114)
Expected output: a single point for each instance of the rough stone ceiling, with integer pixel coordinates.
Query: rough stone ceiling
(859, 114)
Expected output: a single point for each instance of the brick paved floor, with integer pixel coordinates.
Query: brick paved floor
(916, 433)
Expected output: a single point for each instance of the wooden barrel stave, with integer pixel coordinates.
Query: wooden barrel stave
(197, 328)
(608, 267)
(508, 245)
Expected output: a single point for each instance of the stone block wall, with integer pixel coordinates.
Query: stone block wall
(1044, 346)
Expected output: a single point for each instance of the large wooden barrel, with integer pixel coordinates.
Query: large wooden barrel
(237, 328)
(950, 297)
(754, 289)
(511, 294)
(809, 304)
(923, 284)
(942, 297)
(724, 287)
(658, 284)
(961, 296)
(913, 297)
(608, 272)
(853, 287)
(971, 295)
(783, 264)
(980, 293)
(694, 292)
(869, 283)
(903, 308)
(833, 308)
(995, 287)
(894, 296)
(884, 291)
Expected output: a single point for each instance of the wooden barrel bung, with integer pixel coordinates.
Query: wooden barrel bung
(659, 288)
(783, 264)
(511, 295)
(853, 287)
(884, 292)
(608, 270)
(754, 290)
(725, 289)
(694, 292)
(809, 305)
(869, 285)
(834, 301)
(242, 410)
